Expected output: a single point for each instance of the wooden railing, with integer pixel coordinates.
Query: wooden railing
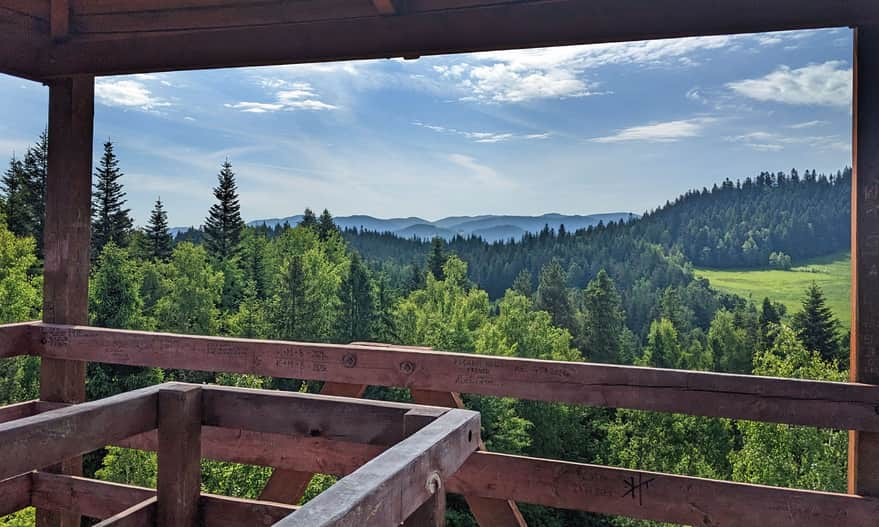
(553, 483)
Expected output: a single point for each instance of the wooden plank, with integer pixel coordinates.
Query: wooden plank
(142, 514)
(288, 486)
(864, 447)
(388, 489)
(17, 411)
(66, 244)
(385, 7)
(179, 477)
(790, 401)
(15, 339)
(577, 486)
(15, 494)
(340, 418)
(101, 499)
(488, 512)
(538, 23)
(42, 440)
(59, 19)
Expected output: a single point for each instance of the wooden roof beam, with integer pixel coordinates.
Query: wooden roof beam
(385, 7)
(59, 19)
(531, 24)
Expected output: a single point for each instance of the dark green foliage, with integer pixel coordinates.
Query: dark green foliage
(158, 243)
(816, 326)
(16, 204)
(554, 298)
(223, 225)
(358, 303)
(309, 219)
(326, 227)
(604, 323)
(437, 258)
(36, 168)
(110, 221)
(524, 283)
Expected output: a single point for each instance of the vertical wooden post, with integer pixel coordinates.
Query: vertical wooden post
(179, 479)
(66, 241)
(863, 469)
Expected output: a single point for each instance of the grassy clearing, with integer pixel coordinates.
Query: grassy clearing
(831, 273)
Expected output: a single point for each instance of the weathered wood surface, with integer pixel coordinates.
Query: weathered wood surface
(288, 486)
(577, 486)
(488, 512)
(791, 401)
(15, 494)
(66, 236)
(141, 515)
(101, 499)
(14, 339)
(388, 489)
(18, 411)
(179, 477)
(340, 418)
(42, 440)
(864, 447)
(537, 23)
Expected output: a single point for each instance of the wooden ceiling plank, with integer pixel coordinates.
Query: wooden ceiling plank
(35, 8)
(508, 26)
(385, 7)
(59, 19)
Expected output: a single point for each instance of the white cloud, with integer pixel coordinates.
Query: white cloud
(807, 124)
(127, 94)
(288, 96)
(483, 174)
(827, 84)
(482, 137)
(666, 132)
(775, 142)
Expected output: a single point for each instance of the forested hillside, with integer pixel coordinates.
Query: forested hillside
(614, 293)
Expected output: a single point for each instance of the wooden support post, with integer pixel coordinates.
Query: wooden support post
(66, 241)
(179, 478)
(288, 486)
(59, 19)
(488, 512)
(863, 467)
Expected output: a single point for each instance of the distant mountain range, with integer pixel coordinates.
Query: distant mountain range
(490, 228)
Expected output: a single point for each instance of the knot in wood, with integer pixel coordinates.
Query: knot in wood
(434, 483)
(349, 360)
(407, 367)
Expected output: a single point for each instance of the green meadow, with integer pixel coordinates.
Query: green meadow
(832, 273)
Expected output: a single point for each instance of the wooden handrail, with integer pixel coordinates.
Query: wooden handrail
(792, 401)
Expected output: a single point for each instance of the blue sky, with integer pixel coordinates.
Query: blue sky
(581, 129)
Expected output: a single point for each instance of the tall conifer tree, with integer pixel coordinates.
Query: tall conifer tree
(15, 199)
(815, 325)
(36, 169)
(326, 226)
(437, 258)
(309, 219)
(224, 225)
(110, 221)
(157, 237)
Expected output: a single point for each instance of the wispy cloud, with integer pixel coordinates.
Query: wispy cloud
(827, 84)
(776, 142)
(483, 174)
(288, 96)
(665, 132)
(808, 124)
(125, 93)
(482, 137)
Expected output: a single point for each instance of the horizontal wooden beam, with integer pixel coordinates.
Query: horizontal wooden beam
(523, 24)
(15, 494)
(142, 514)
(15, 339)
(791, 401)
(18, 411)
(564, 485)
(45, 439)
(339, 418)
(101, 499)
(388, 489)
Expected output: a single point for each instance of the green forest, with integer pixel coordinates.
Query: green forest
(623, 293)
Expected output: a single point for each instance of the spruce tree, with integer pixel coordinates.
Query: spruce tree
(524, 283)
(605, 320)
(309, 219)
(358, 303)
(326, 226)
(110, 221)
(36, 170)
(815, 325)
(15, 199)
(553, 297)
(158, 241)
(437, 258)
(223, 225)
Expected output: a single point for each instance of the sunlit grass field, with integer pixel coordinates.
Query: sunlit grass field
(831, 273)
